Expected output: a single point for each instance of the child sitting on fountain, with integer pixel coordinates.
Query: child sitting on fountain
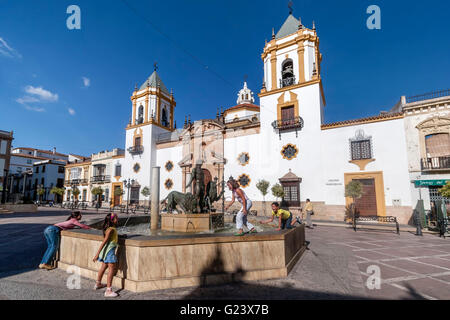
(106, 254)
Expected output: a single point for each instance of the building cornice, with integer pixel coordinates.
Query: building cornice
(367, 120)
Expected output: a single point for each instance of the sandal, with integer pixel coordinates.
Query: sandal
(253, 231)
(239, 234)
(99, 286)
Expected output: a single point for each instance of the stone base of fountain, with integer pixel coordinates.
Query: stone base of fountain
(190, 223)
(161, 262)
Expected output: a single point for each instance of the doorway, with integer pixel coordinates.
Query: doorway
(367, 204)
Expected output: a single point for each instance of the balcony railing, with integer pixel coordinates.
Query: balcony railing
(100, 179)
(76, 181)
(428, 96)
(287, 82)
(136, 149)
(288, 124)
(436, 163)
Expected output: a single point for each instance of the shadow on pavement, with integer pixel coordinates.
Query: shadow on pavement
(21, 247)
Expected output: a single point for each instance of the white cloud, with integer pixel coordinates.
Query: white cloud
(86, 81)
(27, 99)
(36, 95)
(41, 93)
(37, 109)
(71, 111)
(7, 51)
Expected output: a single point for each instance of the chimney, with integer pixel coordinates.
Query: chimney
(35, 153)
(54, 150)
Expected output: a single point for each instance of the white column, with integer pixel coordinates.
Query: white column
(154, 216)
(188, 178)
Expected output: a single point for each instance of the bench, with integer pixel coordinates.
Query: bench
(443, 226)
(388, 219)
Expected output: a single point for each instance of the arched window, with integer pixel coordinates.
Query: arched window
(140, 118)
(287, 73)
(164, 120)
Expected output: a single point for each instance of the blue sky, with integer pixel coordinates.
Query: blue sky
(70, 89)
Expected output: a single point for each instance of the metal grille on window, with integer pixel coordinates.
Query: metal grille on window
(361, 150)
(436, 196)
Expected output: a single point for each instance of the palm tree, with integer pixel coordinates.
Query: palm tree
(58, 192)
(97, 191)
(40, 191)
(76, 192)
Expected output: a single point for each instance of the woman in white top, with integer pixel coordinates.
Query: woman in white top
(241, 217)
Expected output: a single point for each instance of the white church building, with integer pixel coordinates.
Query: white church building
(283, 140)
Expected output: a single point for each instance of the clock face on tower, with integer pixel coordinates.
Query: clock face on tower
(136, 167)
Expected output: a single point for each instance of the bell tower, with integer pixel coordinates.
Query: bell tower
(292, 91)
(292, 57)
(152, 116)
(153, 104)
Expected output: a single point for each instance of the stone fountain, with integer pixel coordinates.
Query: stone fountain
(186, 250)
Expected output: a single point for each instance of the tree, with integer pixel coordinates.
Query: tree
(40, 191)
(354, 190)
(98, 192)
(445, 190)
(57, 191)
(278, 191)
(76, 192)
(145, 192)
(263, 187)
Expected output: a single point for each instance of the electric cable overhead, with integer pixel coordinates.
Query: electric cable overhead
(180, 47)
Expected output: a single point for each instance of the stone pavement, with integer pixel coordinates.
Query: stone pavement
(335, 267)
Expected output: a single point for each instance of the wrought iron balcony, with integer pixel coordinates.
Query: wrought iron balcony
(100, 179)
(287, 82)
(288, 124)
(75, 182)
(136, 149)
(436, 163)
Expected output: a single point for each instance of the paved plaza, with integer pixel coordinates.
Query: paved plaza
(337, 266)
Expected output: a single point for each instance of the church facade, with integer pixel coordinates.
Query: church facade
(283, 140)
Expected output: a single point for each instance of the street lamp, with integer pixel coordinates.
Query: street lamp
(128, 183)
(4, 185)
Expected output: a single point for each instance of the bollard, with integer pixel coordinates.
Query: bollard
(418, 223)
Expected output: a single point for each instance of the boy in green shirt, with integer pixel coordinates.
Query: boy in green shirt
(284, 217)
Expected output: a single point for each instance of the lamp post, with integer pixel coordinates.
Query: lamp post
(4, 185)
(128, 183)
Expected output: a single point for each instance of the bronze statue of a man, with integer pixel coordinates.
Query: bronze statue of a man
(199, 190)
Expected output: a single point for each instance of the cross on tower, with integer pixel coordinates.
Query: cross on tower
(290, 4)
(155, 66)
(245, 77)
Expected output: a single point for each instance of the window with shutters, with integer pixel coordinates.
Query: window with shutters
(291, 193)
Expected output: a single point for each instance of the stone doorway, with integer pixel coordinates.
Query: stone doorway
(373, 200)
(367, 204)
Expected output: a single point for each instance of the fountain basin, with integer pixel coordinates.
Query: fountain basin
(161, 262)
(192, 222)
